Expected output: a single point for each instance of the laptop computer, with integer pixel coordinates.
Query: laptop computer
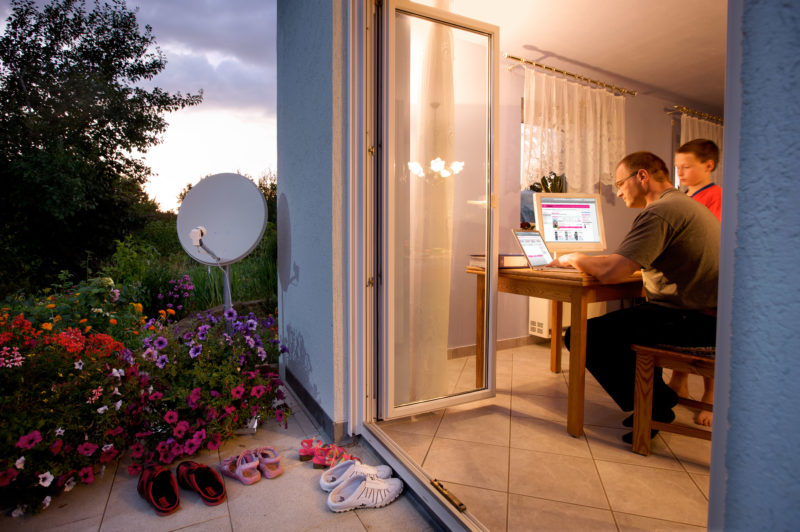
(536, 252)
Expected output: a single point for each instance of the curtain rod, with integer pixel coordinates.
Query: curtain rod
(699, 114)
(571, 75)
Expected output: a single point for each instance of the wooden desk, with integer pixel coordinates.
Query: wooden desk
(578, 289)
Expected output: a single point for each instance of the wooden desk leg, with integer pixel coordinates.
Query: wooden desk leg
(643, 403)
(480, 307)
(555, 336)
(577, 364)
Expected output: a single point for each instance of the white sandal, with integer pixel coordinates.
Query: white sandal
(364, 492)
(348, 469)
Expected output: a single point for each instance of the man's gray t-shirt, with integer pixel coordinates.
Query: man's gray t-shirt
(676, 241)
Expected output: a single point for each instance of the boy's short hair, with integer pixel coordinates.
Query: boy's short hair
(645, 160)
(703, 149)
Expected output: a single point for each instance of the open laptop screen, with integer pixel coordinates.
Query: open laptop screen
(534, 248)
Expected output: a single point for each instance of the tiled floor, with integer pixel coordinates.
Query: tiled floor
(292, 501)
(511, 461)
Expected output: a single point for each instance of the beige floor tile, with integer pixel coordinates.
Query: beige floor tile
(425, 424)
(702, 481)
(473, 464)
(455, 367)
(637, 523)
(546, 435)
(650, 492)
(482, 424)
(488, 506)
(220, 524)
(606, 444)
(539, 406)
(538, 382)
(603, 412)
(416, 446)
(530, 513)
(556, 477)
(693, 453)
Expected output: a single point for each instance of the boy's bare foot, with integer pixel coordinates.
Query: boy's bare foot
(705, 417)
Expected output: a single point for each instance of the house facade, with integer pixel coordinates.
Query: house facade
(332, 124)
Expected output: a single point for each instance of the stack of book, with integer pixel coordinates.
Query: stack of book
(503, 261)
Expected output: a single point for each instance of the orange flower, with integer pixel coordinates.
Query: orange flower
(82, 321)
(112, 321)
(137, 307)
(162, 313)
(170, 312)
(47, 326)
(57, 318)
(87, 329)
(51, 305)
(135, 333)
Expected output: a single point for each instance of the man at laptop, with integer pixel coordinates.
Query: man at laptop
(675, 242)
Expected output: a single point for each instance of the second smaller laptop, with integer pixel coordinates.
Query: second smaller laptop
(535, 250)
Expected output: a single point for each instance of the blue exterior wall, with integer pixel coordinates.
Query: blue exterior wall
(305, 192)
(759, 449)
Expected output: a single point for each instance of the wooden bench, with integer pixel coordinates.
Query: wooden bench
(696, 360)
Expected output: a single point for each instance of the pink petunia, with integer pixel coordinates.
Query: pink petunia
(171, 417)
(238, 391)
(191, 447)
(279, 416)
(180, 429)
(134, 469)
(199, 436)
(155, 396)
(194, 398)
(214, 442)
(162, 447)
(257, 391)
(87, 475)
(144, 434)
(87, 449)
(7, 476)
(30, 440)
(116, 431)
(137, 450)
(108, 456)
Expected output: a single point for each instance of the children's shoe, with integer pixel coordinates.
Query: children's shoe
(364, 492)
(330, 455)
(351, 468)
(308, 448)
(203, 480)
(243, 467)
(269, 462)
(157, 486)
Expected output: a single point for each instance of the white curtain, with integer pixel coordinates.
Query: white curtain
(571, 129)
(696, 128)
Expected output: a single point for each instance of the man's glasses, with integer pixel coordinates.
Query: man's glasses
(619, 183)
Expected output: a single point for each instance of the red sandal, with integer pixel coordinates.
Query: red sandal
(203, 480)
(308, 448)
(157, 486)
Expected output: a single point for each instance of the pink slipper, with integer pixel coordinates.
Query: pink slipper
(243, 468)
(269, 462)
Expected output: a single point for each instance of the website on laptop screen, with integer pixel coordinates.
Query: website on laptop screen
(570, 220)
(534, 248)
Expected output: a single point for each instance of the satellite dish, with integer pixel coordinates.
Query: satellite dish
(220, 221)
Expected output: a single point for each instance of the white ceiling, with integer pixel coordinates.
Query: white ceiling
(673, 49)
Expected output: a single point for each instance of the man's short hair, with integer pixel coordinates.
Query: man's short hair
(644, 160)
(703, 149)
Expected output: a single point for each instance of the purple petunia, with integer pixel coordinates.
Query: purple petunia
(160, 343)
(162, 361)
(230, 314)
(195, 351)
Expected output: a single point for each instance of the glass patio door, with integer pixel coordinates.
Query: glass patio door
(436, 210)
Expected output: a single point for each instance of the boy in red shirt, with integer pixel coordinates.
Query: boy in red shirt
(694, 162)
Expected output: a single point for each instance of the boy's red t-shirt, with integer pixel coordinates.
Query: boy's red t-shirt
(711, 196)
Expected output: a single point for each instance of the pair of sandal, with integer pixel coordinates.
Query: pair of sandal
(252, 464)
(321, 454)
(158, 486)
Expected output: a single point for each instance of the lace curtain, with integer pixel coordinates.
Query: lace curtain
(571, 129)
(696, 128)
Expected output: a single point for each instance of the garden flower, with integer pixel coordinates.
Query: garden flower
(257, 391)
(46, 501)
(47, 326)
(70, 484)
(162, 361)
(45, 479)
(114, 295)
(20, 463)
(191, 447)
(107, 456)
(116, 431)
(87, 475)
(118, 405)
(180, 429)
(171, 417)
(137, 450)
(195, 351)
(55, 448)
(193, 398)
(252, 324)
(59, 431)
(279, 416)
(133, 469)
(51, 305)
(156, 396)
(160, 343)
(79, 364)
(102, 410)
(87, 448)
(119, 373)
(7, 476)
(238, 391)
(30, 440)
(230, 314)
(112, 321)
(214, 442)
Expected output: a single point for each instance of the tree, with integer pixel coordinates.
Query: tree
(268, 184)
(71, 119)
